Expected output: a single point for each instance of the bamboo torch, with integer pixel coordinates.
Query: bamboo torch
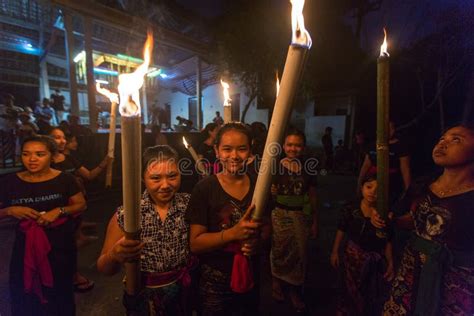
(292, 73)
(195, 156)
(129, 85)
(227, 104)
(113, 97)
(383, 106)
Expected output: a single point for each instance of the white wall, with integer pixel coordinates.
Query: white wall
(316, 125)
(212, 102)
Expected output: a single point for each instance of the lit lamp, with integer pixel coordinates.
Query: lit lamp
(292, 73)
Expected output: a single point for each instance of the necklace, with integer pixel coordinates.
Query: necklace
(461, 188)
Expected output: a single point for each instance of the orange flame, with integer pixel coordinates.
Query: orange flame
(113, 97)
(300, 36)
(225, 90)
(185, 143)
(277, 83)
(130, 84)
(383, 48)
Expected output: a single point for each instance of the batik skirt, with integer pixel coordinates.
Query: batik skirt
(290, 237)
(457, 293)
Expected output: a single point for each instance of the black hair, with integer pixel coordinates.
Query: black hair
(158, 153)
(50, 131)
(328, 129)
(236, 126)
(467, 125)
(293, 131)
(209, 127)
(47, 141)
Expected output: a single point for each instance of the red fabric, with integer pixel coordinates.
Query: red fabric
(182, 275)
(36, 269)
(241, 280)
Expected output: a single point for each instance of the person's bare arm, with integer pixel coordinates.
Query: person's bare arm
(202, 241)
(405, 171)
(363, 171)
(77, 204)
(92, 174)
(116, 249)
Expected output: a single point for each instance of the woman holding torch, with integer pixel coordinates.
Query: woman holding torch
(436, 274)
(221, 231)
(163, 245)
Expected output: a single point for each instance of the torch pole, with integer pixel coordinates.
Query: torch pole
(131, 173)
(383, 106)
(227, 114)
(292, 74)
(111, 148)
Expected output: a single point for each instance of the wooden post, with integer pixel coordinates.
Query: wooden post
(198, 94)
(93, 113)
(70, 62)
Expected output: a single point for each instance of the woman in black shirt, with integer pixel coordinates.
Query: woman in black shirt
(221, 230)
(44, 256)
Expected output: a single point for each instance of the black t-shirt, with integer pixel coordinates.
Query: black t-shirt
(395, 152)
(214, 208)
(209, 155)
(42, 197)
(58, 102)
(447, 220)
(291, 185)
(69, 165)
(207, 152)
(359, 229)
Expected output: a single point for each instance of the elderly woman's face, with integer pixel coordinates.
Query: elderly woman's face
(455, 148)
(162, 180)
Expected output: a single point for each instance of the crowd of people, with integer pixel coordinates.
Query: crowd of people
(20, 122)
(201, 251)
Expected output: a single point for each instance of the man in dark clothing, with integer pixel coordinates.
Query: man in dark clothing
(57, 103)
(328, 147)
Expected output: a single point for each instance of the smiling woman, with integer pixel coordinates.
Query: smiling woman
(163, 247)
(221, 230)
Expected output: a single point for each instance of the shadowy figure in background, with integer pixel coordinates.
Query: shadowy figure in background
(328, 148)
(218, 119)
(57, 103)
(206, 150)
(76, 128)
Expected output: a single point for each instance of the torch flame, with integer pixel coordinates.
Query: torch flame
(383, 48)
(113, 97)
(277, 83)
(185, 143)
(300, 36)
(225, 90)
(130, 84)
